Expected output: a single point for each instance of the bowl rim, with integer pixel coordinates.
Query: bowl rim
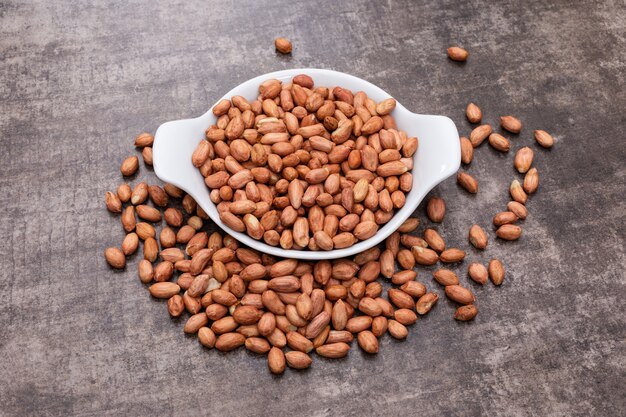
(383, 232)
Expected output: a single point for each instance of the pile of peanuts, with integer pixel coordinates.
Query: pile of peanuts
(234, 296)
(278, 174)
(304, 167)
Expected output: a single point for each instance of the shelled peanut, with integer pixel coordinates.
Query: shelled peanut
(305, 167)
(283, 45)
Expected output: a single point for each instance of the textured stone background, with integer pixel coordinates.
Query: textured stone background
(79, 79)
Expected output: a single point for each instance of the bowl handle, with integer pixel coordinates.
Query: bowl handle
(174, 143)
(443, 148)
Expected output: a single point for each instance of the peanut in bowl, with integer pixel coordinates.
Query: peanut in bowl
(290, 184)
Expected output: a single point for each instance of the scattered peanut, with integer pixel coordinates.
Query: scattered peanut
(283, 45)
(468, 182)
(544, 139)
(456, 53)
(511, 124)
(473, 113)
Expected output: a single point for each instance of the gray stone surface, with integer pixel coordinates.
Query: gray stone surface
(79, 79)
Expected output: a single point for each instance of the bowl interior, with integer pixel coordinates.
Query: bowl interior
(437, 157)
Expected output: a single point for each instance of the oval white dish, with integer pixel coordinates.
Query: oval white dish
(438, 157)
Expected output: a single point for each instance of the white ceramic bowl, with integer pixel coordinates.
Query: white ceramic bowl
(438, 156)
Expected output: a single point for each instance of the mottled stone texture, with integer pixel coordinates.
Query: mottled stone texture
(80, 78)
